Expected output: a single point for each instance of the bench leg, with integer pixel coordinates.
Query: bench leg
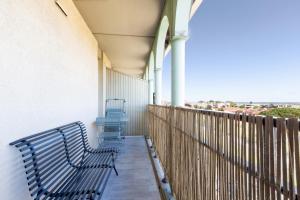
(113, 160)
(116, 170)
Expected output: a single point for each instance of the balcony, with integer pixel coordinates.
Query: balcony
(59, 62)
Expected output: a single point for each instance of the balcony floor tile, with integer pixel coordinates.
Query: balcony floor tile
(136, 178)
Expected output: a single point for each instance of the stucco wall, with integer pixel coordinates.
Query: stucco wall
(48, 77)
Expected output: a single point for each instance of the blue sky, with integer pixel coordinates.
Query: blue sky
(242, 50)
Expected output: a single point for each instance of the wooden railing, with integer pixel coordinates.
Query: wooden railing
(215, 155)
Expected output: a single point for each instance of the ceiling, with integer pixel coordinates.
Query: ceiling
(125, 30)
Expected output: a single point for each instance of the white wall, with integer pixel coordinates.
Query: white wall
(135, 92)
(48, 77)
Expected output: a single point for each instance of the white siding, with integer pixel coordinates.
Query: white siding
(135, 92)
(48, 77)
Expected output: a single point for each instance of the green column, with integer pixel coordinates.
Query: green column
(158, 88)
(151, 78)
(150, 91)
(178, 70)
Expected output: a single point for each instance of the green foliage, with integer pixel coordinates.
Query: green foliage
(282, 112)
(232, 104)
(242, 106)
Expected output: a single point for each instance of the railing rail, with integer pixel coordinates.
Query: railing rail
(217, 155)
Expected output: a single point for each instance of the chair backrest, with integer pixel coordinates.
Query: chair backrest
(115, 114)
(50, 157)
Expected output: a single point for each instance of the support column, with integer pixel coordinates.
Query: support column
(158, 86)
(102, 88)
(150, 91)
(151, 78)
(146, 74)
(178, 70)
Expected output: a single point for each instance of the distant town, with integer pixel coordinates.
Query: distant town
(277, 109)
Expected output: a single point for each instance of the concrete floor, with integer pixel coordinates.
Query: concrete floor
(136, 180)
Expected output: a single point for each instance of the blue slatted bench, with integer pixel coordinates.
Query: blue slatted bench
(60, 164)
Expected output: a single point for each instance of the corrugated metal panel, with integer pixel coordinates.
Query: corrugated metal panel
(135, 92)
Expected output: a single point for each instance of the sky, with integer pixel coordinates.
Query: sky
(242, 50)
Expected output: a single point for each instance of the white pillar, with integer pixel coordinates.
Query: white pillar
(150, 91)
(102, 87)
(146, 74)
(178, 70)
(151, 78)
(158, 87)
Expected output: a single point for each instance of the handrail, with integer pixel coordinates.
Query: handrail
(224, 113)
(217, 155)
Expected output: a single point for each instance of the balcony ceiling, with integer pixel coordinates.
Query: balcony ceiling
(124, 29)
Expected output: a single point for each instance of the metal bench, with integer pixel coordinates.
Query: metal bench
(60, 164)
